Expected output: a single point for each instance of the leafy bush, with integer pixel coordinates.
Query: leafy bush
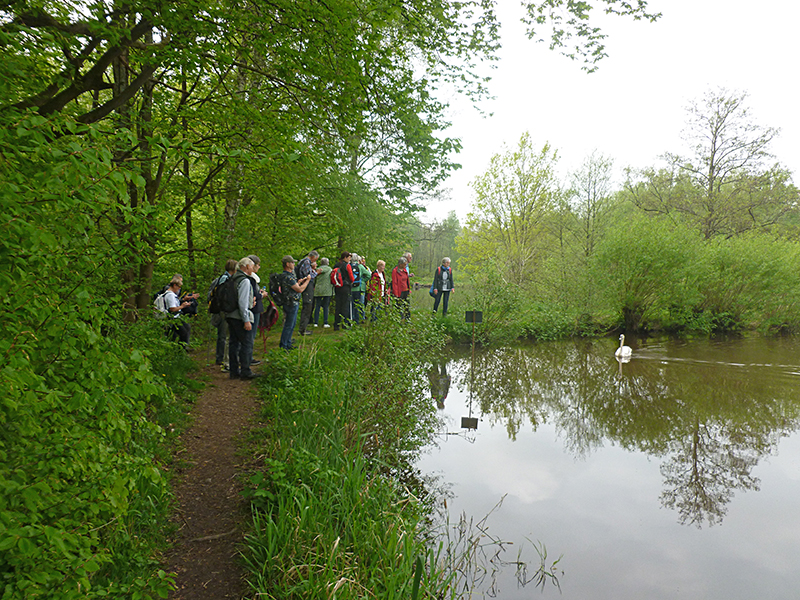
(644, 265)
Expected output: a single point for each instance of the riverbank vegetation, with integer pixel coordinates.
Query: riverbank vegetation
(336, 507)
(707, 242)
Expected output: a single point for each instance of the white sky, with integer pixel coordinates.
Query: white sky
(634, 107)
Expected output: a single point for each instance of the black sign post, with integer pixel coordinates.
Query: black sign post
(470, 422)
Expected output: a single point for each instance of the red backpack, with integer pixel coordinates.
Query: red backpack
(336, 278)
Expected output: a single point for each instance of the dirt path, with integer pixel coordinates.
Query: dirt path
(211, 509)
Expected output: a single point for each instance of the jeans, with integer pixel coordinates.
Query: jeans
(325, 302)
(444, 296)
(222, 340)
(308, 304)
(241, 348)
(290, 318)
(357, 307)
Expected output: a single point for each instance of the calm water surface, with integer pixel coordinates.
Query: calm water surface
(675, 475)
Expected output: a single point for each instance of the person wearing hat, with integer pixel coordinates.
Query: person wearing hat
(292, 289)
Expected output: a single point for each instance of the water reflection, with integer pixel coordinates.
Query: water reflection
(440, 382)
(710, 411)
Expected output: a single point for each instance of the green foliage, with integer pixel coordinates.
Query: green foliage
(513, 200)
(550, 322)
(433, 242)
(643, 264)
(568, 26)
(752, 279)
(82, 500)
(332, 508)
(725, 186)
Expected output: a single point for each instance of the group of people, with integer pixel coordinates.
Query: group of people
(349, 284)
(361, 288)
(237, 329)
(311, 284)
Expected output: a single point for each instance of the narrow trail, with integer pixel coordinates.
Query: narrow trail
(210, 508)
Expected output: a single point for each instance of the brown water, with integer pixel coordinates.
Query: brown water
(675, 475)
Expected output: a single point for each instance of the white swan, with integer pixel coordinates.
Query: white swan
(623, 351)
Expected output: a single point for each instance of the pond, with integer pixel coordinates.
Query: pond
(674, 475)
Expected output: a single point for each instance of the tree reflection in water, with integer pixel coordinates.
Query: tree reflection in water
(710, 421)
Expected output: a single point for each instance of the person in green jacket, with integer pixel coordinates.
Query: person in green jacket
(358, 264)
(323, 292)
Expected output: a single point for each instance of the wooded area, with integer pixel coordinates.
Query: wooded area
(705, 242)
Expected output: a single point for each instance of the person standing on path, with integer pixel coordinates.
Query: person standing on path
(240, 322)
(400, 288)
(218, 320)
(442, 285)
(408, 258)
(343, 293)
(378, 290)
(361, 273)
(307, 267)
(292, 289)
(258, 306)
(323, 290)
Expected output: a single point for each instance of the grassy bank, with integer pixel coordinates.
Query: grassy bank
(335, 512)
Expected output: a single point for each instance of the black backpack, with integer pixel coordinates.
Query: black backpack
(276, 289)
(214, 296)
(229, 294)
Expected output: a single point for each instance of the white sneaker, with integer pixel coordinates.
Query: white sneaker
(326, 325)
(315, 325)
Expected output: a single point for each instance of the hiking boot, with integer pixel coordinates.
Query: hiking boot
(255, 362)
(305, 333)
(251, 376)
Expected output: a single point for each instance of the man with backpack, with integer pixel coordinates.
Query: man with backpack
(218, 315)
(307, 267)
(238, 301)
(291, 289)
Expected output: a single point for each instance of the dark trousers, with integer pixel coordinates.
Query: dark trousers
(402, 305)
(343, 301)
(240, 351)
(179, 330)
(444, 296)
(308, 305)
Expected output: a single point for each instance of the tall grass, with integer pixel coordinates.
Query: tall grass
(334, 513)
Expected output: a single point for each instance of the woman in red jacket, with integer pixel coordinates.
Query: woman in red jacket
(342, 294)
(400, 288)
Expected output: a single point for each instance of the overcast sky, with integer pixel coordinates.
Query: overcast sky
(634, 107)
